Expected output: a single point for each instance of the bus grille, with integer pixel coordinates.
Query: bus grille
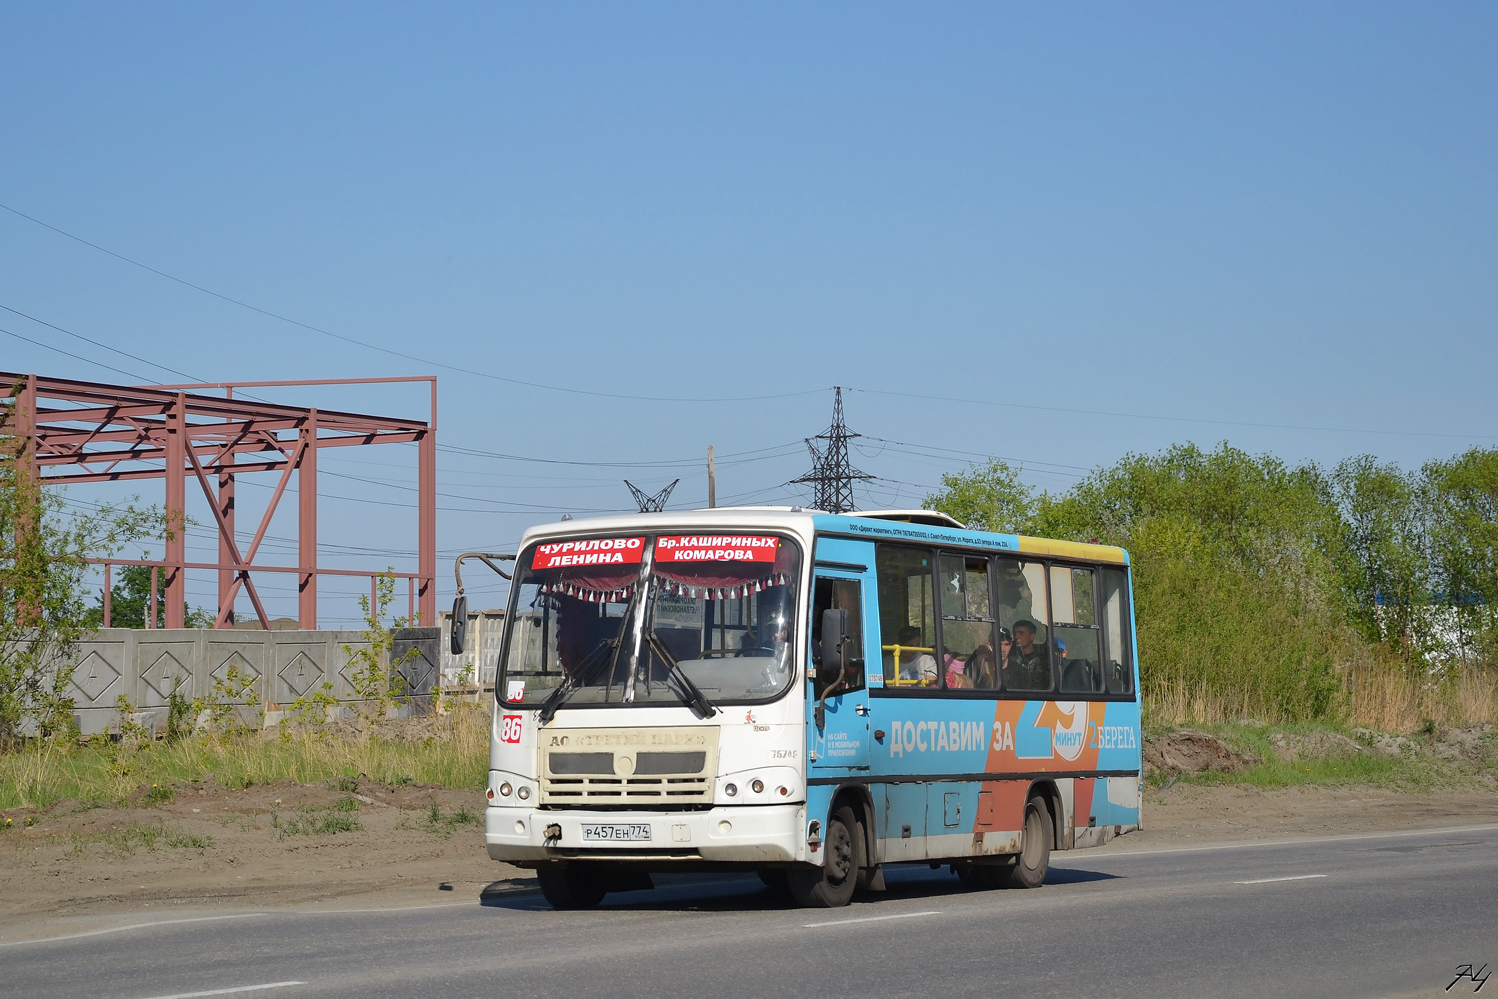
(628, 768)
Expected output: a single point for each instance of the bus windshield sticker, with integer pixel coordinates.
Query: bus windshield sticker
(716, 548)
(591, 551)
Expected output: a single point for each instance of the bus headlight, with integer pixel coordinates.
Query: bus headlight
(524, 793)
(757, 786)
(730, 789)
(505, 789)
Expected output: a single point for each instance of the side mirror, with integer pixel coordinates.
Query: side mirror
(835, 636)
(459, 625)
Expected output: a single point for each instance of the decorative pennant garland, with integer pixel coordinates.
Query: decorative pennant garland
(567, 589)
(737, 592)
(734, 592)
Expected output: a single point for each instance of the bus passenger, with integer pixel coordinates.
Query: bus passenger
(982, 668)
(915, 665)
(1027, 667)
(956, 678)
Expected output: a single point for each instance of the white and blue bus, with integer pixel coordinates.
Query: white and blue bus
(811, 697)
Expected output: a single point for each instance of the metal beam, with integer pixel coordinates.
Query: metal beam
(74, 431)
(306, 486)
(176, 514)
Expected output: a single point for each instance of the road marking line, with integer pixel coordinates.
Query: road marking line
(1295, 877)
(128, 926)
(224, 992)
(871, 919)
(1104, 851)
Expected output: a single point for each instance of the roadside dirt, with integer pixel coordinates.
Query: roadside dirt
(216, 850)
(212, 849)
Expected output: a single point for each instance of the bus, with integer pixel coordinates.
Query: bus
(808, 696)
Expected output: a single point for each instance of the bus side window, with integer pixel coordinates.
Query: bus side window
(969, 660)
(1079, 657)
(907, 617)
(1025, 625)
(1118, 666)
(846, 594)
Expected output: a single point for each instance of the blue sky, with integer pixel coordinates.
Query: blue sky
(1272, 224)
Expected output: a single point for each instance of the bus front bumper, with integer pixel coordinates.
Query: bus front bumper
(749, 835)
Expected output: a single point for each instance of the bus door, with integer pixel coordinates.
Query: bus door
(838, 698)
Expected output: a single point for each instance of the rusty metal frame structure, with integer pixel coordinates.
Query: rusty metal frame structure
(68, 431)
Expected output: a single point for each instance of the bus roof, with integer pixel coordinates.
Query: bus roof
(894, 525)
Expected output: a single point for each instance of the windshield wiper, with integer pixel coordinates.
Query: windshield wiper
(578, 678)
(691, 695)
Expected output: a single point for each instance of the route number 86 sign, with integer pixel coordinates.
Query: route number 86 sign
(509, 728)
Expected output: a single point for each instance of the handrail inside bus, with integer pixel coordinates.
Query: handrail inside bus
(896, 680)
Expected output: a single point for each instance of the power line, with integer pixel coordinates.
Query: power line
(926, 449)
(76, 357)
(668, 463)
(386, 350)
(105, 346)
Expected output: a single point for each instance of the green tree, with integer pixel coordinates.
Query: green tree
(1233, 587)
(1236, 595)
(1382, 558)
(43, 571)
(374, 671)
(130, 602)
(987, 497)
(1462, 497)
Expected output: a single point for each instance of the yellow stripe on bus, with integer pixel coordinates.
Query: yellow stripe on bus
(1072, 549)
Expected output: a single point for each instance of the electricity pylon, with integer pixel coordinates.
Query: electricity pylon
(832, 473)
(649, 503)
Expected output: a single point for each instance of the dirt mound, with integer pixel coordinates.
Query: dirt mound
(1472, 743)
(1312, 746)
(1188, 751)
(1383, 742)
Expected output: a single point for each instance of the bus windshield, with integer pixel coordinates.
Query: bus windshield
(621, 620)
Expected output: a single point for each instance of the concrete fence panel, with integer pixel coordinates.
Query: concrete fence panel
(147, 665)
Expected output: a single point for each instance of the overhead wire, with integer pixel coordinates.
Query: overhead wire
(397, 353)
(105, 346)
(76, 357)
(682, 399)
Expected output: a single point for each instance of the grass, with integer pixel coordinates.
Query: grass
(1372, 691)
(130, 840)
(117, 773)
(342, 817)
(445, 824)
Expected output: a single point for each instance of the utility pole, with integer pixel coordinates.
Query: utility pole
(832, 473)
(712, 480)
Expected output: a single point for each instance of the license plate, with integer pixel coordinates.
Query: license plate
(618, 832)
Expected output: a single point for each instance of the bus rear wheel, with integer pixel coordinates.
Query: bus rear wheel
(1034, 858)
(571, 886)
(831, 885)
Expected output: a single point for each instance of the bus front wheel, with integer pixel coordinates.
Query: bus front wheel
(1034, 858)
(831, 885)
(571, 886)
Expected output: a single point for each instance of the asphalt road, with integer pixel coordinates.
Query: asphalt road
(1378, 915)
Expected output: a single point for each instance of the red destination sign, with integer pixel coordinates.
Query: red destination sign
(593, 551)
(716, 548)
